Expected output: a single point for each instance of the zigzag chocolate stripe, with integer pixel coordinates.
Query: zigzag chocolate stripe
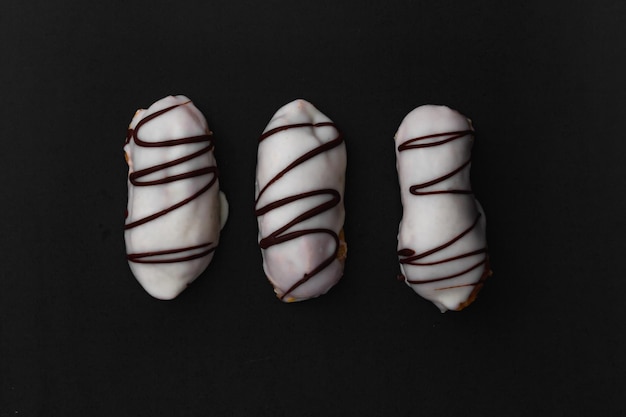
(135, 179)
(282, 235)
(408, 256)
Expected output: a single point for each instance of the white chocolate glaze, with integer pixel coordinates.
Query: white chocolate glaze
(299, 201)
(174, 212)
(441, 242)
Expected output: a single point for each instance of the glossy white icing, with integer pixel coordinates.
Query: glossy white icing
(174, 210)
(441, 241)
(299, 190)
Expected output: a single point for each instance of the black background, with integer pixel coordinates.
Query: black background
(544, 85)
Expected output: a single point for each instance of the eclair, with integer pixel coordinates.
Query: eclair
(175, 208)
(442, 247)
(300, 179)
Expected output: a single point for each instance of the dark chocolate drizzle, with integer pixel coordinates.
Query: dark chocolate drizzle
(282, 235)
(408, 256)
(178, 254)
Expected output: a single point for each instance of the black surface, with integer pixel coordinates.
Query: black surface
(544, 85)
